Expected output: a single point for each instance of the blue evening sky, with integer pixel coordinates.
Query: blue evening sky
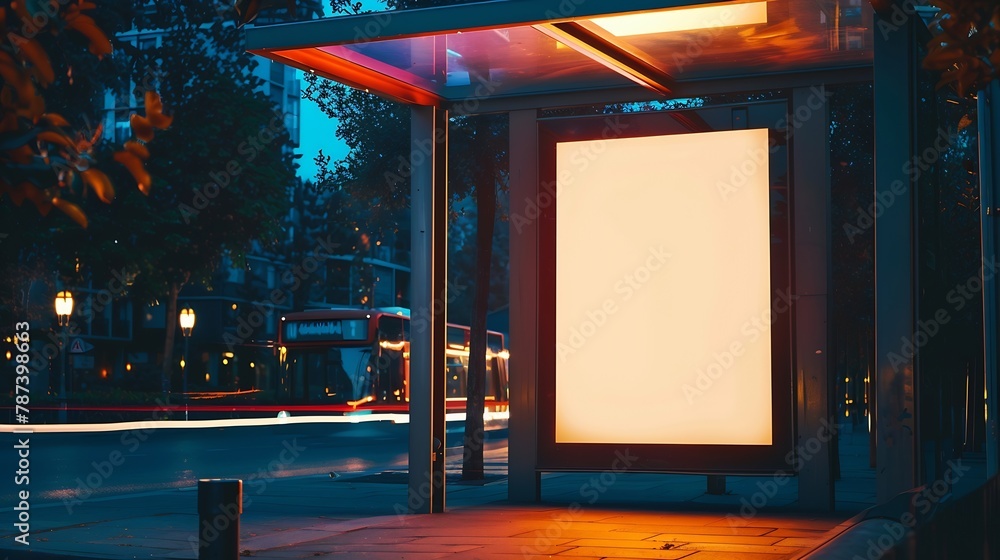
(316, 130)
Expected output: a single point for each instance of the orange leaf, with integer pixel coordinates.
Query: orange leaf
(55, 119)
(136, 168)
(141, 127)
(71, 210)
(140, 150)
(99, 43)
(154, 110)
(54, 137)
(100, 183)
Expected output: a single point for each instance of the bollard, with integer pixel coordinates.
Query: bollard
(220, 503)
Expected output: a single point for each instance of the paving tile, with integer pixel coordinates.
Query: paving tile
(803, 542)
(387, 555)
(779, 522)
(785, 533)
(510, 551)
(504, 554)
(617, 553)
(608, 543)
(364, 537)
(598, 528)
(701, 530)
(710, 555)
(574, 533)
(734, 539)
(540, 545)
(688, 519)
(503, 531)
(727, 547)
(405, 548)
(681, 522)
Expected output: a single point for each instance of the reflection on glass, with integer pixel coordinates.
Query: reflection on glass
(713, 41)
(685, 19)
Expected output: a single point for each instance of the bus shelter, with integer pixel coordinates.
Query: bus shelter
(670, 270)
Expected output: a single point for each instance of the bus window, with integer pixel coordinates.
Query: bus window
(457, 337)
(456, 375)
(338, 383)
(494, 341)
(491, 373)
(390, 376)
(390, 328)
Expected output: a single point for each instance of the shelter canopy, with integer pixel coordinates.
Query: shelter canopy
(512, 48)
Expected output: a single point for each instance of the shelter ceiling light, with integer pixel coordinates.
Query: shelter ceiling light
(685, 19)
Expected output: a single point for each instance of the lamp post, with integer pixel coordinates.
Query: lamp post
(187, 325)
(64, 308)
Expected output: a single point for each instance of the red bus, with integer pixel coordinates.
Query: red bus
(361, 358)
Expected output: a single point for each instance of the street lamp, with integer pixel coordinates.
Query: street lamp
(64, 308)
(187, 325)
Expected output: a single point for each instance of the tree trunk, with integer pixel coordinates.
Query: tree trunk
(486, 203)
(168, 339)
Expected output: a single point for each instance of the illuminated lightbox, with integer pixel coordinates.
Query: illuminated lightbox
(663, 305)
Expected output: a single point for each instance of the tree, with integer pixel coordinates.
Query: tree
(43, 156)
(966, 44)
(222, 171)
(54, 72)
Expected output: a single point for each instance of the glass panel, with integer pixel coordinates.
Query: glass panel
(481, 63)
(795, 36)
(711, 40)
(336, 375)
(948, 342)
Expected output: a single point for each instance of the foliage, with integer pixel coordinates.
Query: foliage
(966, 44)
(248, 10)
(42, 155)
(225, 167)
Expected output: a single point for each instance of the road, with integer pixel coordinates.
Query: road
(69, 466)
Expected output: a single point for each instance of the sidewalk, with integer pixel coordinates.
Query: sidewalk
(354, 516)
(319, 516)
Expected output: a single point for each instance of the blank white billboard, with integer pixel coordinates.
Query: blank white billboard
(663, 307)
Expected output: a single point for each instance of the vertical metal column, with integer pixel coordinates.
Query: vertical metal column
(989, 173)
(428, 299)
(895, 270)
(811, 218)
(524, 482)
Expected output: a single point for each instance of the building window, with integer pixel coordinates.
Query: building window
(278, 73)
(278, 96)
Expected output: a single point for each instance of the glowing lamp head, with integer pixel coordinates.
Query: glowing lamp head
(187, 321)
(64, 306)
